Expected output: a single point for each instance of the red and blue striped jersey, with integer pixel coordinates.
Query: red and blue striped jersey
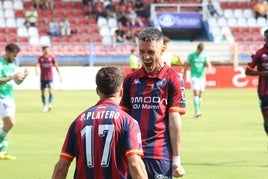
(260, 60)
(149, 99)
(46, 64)
(101, 138)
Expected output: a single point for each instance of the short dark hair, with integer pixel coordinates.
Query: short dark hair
(166, 40)
(266, 31)
(200, 46)
(109, 80)
(12, 48)
(150, 34)
(44, 47)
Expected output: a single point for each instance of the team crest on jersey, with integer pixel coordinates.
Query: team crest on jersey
(161, 83)
(136, 81)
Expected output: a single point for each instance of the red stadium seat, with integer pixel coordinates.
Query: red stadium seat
(3, 39)
(68, 50)
(19, 13)
(80, 50)
(26, 50)
(23, 40)
(36, 50)
(57, 50)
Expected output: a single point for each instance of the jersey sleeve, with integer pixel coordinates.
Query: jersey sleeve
(68, 148)
(133, 140)
(176, 95)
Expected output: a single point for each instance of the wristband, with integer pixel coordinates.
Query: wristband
(176, 160)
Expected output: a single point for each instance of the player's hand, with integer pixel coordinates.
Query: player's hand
(177, 171)
(26, 72)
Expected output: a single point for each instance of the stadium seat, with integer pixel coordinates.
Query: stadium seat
(3, 39)
(23, 40)
(9, 13)
(112, 22)
(55, 40)
(11, 39)
(7, 4)
(248, 13)
(261, 21)
(11, 31)
(45, 40)
(238, 13)
(65, 39)
(81, 21)
(222, 22)
(107, 41)
(212, 22)
(2, 23)
(26, 50)
(80, 50)
(251, 21)
(226, 30)
(20, 21)
(105, 31)
(241, 22)
(34, 41)
(22, 31)
(57, 50)
(2, 31)
(36, 50)
(244, 30)
(33, 31)
(248, 38)
(68, 50)
(19, 14)
(18, 5)
(11, 23)
(59, 13)
(75, 39)
(232, 22)
(216, 31)
(102, 22)
(113, 29)
(2, 13)
(228, 13)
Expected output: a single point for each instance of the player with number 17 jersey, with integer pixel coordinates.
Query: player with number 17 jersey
(149, 99)
(105, 131)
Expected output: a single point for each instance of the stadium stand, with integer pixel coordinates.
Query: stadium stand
(88, 40)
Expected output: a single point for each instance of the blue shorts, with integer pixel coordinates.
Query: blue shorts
(46, 84)
(158, 168)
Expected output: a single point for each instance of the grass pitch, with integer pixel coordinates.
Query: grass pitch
(228, 141)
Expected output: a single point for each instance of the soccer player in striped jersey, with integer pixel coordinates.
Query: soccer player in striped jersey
(104, 139)
(260, 61)
(154, 96)
(198, 61)
(46, 63)
(8, 75)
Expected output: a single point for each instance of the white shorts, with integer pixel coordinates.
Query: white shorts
(198, 84)
(7, 107)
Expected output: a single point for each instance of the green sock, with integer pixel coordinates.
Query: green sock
(197, 105)
(2, 135)
(4, 146)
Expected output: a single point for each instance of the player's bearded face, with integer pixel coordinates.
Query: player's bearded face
(11, 57)
(150, 54)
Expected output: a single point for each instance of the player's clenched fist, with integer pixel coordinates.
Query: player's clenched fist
(20, 76)
(177, 171)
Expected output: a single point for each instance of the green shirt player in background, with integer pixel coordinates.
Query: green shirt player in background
(198, 61)
(134, 60)
(8, 75)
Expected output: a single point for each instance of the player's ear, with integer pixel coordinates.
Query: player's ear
(121, 92)
(164, 48)
(97, 91)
